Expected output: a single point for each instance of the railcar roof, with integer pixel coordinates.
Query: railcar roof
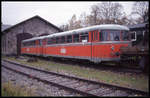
(99, 27)
(82, 30)
(34, 38)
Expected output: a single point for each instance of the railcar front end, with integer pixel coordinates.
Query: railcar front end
(107, 47)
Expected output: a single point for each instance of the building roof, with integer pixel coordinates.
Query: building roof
(142, 25)
(4, 27)
(30, 19)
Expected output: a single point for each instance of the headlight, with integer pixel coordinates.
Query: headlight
(117, 53)
(112, 48)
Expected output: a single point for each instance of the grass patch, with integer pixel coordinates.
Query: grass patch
(8, 89)
(128, 80)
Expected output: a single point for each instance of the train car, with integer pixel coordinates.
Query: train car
(33, 46)
(96, 43)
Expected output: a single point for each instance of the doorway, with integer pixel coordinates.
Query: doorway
(20, 37)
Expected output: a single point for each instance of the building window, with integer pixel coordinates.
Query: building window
(133, 36)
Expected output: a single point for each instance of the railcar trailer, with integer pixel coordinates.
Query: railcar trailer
(96, 43)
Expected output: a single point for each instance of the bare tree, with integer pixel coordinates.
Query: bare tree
(110, 12)
(77, 24)
(83, 19)
(116, 12)
(64, 27)
(87, 20)
(101, 13)
(141, 9)
(94, 13)
(74, 23)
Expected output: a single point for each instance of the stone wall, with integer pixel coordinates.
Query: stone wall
(35, 27)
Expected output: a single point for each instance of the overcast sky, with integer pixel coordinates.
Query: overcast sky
(57, 13)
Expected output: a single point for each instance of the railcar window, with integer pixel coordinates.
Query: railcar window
(62, 39)
(28, 43)
(54, 40)
(31, 43)
(76, 38)
(40, 42)
(84, 36)
(23, 44)
(114, 35)
(95, 35)
(49, 41)
(34, 43)
(104, 36)
(125, 36)
(69, 39)
(57, 40)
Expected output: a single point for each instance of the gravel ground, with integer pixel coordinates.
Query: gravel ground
(39, 88)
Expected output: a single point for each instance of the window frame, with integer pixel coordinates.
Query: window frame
(76, 39)
(69, 40)
(108, 35)
(83, 36)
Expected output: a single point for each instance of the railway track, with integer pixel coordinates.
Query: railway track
(82, 86)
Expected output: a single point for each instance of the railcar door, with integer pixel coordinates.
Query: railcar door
(94, 45)
(42, 49)
(36, 47)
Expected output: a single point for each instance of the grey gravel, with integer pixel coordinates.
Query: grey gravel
(39, 88)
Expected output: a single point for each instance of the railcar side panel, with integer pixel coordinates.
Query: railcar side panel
(71, 51)
(29, 50)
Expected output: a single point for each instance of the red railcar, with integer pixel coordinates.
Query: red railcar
(96, 43)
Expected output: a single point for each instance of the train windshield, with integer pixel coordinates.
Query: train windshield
(110, 35)
(114, 35)
(125, 35)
